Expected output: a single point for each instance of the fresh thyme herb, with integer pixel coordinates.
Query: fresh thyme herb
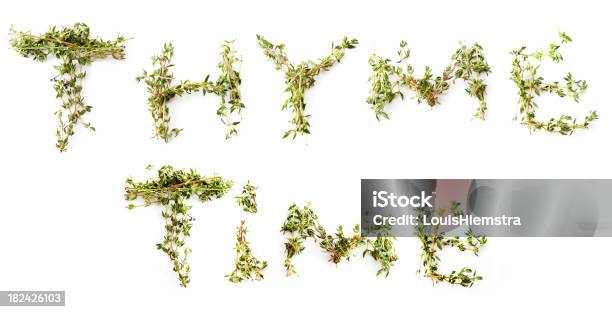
(382, 251)
(161, 90)
(531, 85)
(74, 48)
(246, 266)
(300, 77)
(246, 199)
(170, 190)
(468, 64)
(302, 223)
(433, 241)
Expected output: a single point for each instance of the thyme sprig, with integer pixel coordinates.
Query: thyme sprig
(171, 190)
(247, 199)
(432, 241)
(161, 90)
(382, 251)
(74, 48)
(530, 85)
(300, 77)
(302, 223)
(467, 64)
(246, 266)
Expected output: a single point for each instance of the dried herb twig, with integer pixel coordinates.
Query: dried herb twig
(302, 223)
(74, 48)
(246, 266)
(468, 64)
(531, 85)
(247, 199)
(161, 90)
(433, 241)
(171, 189)
(300, 77)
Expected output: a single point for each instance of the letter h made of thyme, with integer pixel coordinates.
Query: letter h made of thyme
(162, 90)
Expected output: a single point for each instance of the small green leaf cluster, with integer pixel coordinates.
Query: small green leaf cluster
(433, 241)
(161, 90)
(388, 79)
(170, 190)
(530, 85)
(381, 250)
(74, 48)
(247, 199)
(302, 223)
(300, 77)
(246, 266)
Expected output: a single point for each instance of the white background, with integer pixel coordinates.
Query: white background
(63, 221)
